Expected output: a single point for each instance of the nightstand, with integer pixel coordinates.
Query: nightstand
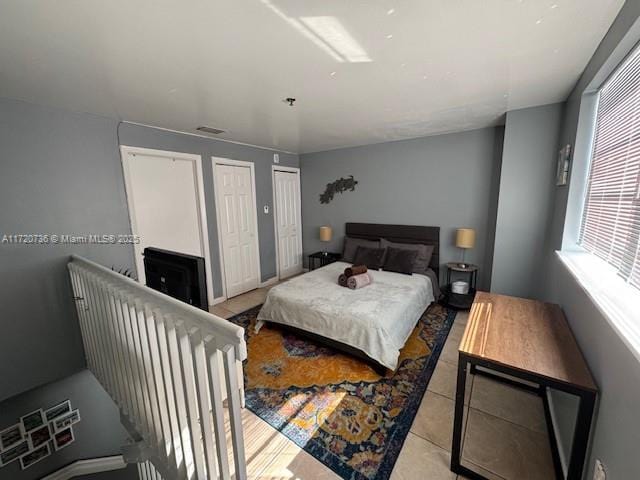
(323, 258)
(458, 300)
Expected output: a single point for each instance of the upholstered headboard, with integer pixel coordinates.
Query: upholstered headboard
(401, 234)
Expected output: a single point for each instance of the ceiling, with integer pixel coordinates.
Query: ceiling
(362, 71)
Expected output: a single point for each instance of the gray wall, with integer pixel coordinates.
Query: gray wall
(616, 433)
(139, 136)
(62, 174)
(98, 434)
(445, 181)
(526, 185)
(616, 430)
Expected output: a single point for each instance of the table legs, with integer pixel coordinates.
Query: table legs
(583, 420)
(581, 435)
(458, 415)
(458, 418)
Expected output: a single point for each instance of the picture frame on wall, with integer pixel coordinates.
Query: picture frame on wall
(32, 420)
(57, 410)
(39, 436)
(66, 420)
(34, 456)
(14, 453)
(563, 166)
(63, 439)
(11, 436)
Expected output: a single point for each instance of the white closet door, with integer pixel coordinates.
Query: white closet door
(288, 218)
(237, 213)
(165, 207)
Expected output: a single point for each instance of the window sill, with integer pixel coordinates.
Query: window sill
(618, 301)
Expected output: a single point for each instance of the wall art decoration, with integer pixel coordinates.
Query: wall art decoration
(13, 453)
(562, 168)
(339, 186)
(34, 456)
(63, 438)
(57, 410)
(10, 436)
(65, 420)
(38, 434)
(32, 420)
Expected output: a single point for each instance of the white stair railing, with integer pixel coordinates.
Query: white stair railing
(169, 367)
(146, 471)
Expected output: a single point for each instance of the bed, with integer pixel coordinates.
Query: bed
(372, 323)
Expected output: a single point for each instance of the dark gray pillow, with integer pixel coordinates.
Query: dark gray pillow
(371, 257)
(400, 260)
(421, 263)
(351, 244)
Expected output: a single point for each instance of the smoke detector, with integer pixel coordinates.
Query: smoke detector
(213, 131)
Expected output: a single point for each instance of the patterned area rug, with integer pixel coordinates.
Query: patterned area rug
(334, 406)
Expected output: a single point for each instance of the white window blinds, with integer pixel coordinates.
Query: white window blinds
(611, 217)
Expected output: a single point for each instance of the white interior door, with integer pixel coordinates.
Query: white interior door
(237, 227)
(288, 222)
(166, 204)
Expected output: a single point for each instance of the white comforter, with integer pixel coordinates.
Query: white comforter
(376, 319)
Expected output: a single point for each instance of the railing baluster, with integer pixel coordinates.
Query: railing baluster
(134, 306)
(80, 301)
(93, 321)
(153, 319)
(107, 326)
(123, 353)
(98, 325)
(147, 363)
(202, 393)
(215, 392)
(105, 336)
(233, 395)
(188, 377)
(180, 392)
(171, 401)
(130, 315)
(116, 345)
(129, 351)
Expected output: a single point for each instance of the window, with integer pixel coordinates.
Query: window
(611, 217)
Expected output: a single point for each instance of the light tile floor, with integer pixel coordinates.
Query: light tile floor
(505, 432)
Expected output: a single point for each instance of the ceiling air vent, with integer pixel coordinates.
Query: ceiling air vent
(214, 131)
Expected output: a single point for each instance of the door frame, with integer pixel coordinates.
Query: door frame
(235, 163)
(296, 170)
(125, 152)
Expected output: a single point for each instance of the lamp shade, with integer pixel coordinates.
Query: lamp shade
(325, 234)
(465, 238)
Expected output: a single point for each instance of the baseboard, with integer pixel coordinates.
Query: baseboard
(87, 467)
(556, 431)
(218, 300)
(271, 281)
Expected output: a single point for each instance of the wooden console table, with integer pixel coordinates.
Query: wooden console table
(529, 340)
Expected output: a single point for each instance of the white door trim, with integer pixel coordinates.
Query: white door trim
(125, 151)
(86, 467)
(296, 170)
(237, 163)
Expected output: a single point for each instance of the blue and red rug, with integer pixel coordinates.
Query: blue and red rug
(334, 406)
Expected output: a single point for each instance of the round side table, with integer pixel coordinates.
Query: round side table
(460, 301)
